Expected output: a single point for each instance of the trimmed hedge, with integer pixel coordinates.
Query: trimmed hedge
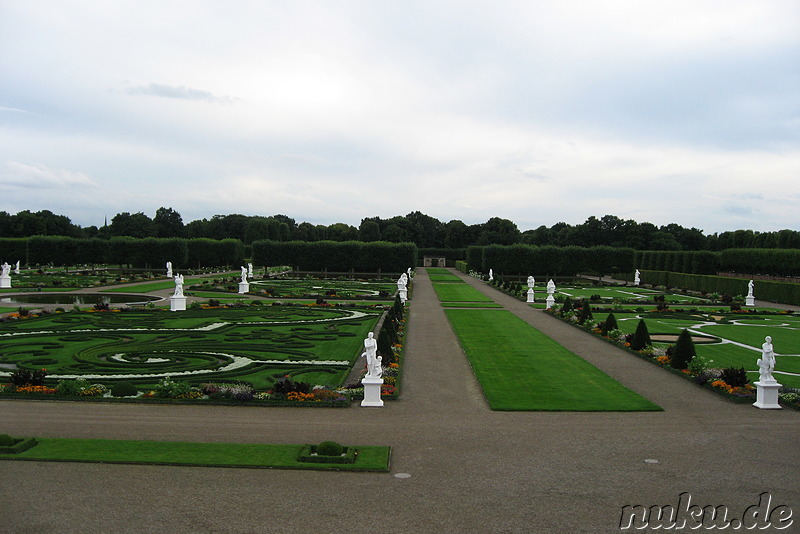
(522, 259)
(337, 256)
(779, 292)
(307, 452)
(693, 262)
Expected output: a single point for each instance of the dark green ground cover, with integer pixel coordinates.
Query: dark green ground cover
(114, 345)
(519, 368)
(253, 455)
(459, 293)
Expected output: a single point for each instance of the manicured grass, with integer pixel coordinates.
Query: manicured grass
(437, 270)
(519, 368)
(446, 278)
(144, 288)
(459, 293)
(254, 455)
(471, 305)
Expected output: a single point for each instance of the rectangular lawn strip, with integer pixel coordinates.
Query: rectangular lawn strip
(446, 278)
(254, 455)
(437, 270)
(459, 293)
(520, 368)
(471, 305)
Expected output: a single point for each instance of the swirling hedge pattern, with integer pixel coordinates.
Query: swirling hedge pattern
(143, 346)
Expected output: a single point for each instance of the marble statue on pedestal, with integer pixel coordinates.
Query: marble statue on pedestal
(169, 269)
(178, 286)
(531, 281)
(551, 287)
(491, 275)
(16, 268)
(5, 270)
(766, 364)
(371, 354)
(244, 274)
(636, 278)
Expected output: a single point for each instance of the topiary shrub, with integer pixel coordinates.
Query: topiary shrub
(6, 440)
(609, 324)
(641, 338)
(734, 377)
(586, 313)
(123, 389)
(567, 307)
(329, 448)
(683, 352)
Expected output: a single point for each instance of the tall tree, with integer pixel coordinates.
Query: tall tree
(168, 223)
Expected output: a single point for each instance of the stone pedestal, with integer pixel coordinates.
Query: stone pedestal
(5, 282)
(530, 295)
(244, 287)
(177, 303)
(749, 301)
(767, 395)
(550, 301)
(372, 391)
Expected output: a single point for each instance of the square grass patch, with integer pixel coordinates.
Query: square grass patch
(459, 293)
(252, 455)
(520, 368)
(450, 278)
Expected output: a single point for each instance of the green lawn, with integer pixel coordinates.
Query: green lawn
(459, 293)
(252, 455)
(437, 270)
(470, 305)
(519, 368)
(445, 278)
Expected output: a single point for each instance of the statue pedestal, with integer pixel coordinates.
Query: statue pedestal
(244, 287)
(177, 303)
(550, 301)
(5, 282)
(767, 395)
(749, 301)
(372, 391)
(530, 295)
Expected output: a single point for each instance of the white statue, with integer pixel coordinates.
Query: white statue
(178, 286)
(766, 364)
(409, 273)
(244, 274)
(750, 288)
(377, 368)
(401, 284)
(371, 354)
(491, 275)
(636, 278)
(531, 281)
(551, 287)
(169, 269)
(250, 270)
(6, 270)
(16, 269)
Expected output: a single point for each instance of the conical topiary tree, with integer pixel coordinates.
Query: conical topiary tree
(586, 312)
(641, 338)
(683, 352)
(609, 324)
(567, 307)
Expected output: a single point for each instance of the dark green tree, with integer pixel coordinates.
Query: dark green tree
(586, 312)
(168, 223)
(641, 338)
(683, 351)
(609, 324)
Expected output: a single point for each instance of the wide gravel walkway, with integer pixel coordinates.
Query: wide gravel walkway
(471, 469)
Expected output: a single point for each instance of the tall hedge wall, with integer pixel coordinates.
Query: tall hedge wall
(694, 262)
(13, 249)
(562, 261)
(782, 292)
(151, 252)
(770, 261)
(337, 256)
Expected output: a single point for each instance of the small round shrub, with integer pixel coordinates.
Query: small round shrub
(329, 448)
(6, 440)
(123, 389)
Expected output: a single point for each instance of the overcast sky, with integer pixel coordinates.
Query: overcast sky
(331, 111)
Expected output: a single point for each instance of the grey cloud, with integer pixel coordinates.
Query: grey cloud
(180, 92)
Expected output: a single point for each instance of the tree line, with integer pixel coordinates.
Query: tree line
(416, 227)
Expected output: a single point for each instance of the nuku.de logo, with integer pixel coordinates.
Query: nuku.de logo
(687, 515)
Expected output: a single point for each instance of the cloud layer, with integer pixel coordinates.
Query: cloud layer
(665, 112)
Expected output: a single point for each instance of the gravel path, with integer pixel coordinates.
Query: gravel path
(471, 469)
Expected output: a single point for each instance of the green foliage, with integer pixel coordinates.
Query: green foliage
(733, 376)
(285, 385)
(337, 256)
(124, 389)
(641, 337)
(586, 312)
(683, 351)
(6, 440)
(567, 306)
(609, 324)
(329, 448)
(698, 365)
(72, 387)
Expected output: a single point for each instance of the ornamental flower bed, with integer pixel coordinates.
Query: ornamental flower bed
(698, 371)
